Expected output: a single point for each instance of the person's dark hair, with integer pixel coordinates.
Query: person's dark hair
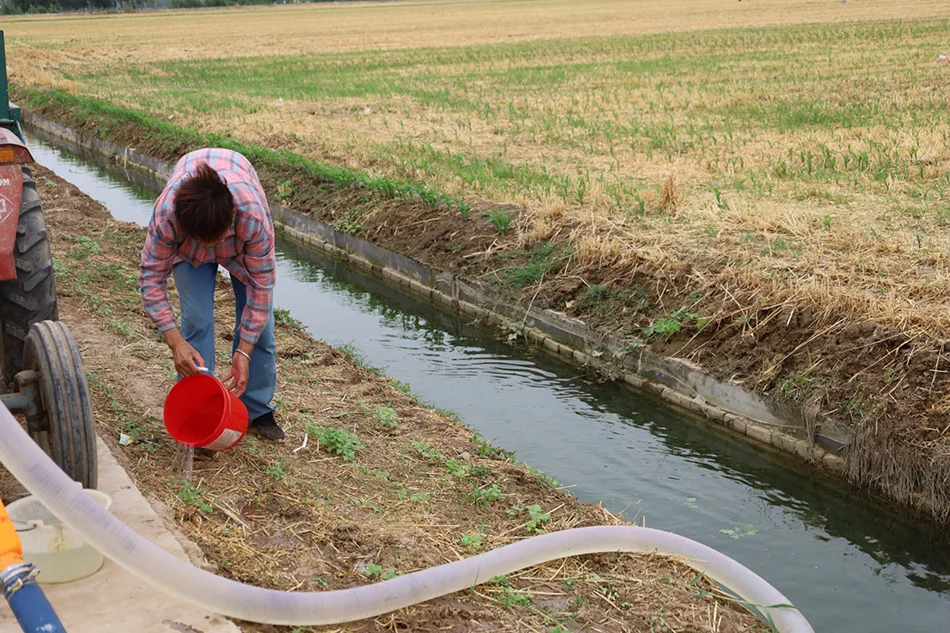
(204, 206)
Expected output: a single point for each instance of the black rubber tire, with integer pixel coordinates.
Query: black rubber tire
(31, 297)
(70, 441)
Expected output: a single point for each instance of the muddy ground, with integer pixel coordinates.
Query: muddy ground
(384, 485)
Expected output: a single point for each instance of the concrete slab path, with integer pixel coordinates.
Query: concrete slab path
(113, 600)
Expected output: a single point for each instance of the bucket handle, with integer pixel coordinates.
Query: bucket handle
(31, 525)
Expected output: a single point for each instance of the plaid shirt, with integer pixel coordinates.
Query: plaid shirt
(247, 251)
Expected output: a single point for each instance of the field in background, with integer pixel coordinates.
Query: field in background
(793, 149)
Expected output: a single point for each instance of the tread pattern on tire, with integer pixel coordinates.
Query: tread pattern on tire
(71, 440)
(31, 297)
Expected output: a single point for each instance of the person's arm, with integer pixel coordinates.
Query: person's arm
(158, 257)
(260, 263)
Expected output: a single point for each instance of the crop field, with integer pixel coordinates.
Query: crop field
(794, 149)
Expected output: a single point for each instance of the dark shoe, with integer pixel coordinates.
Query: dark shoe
(204, 454)
(266, 428)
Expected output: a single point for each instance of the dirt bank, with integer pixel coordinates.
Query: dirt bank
(405, 489)
(890, 386)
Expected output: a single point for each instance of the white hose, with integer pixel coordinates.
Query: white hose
(37, 472)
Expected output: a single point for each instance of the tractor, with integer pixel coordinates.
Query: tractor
(43, 378)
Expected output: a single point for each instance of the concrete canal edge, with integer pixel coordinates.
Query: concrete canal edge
(816, 439)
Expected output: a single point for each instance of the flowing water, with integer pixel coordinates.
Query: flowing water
(849, 562)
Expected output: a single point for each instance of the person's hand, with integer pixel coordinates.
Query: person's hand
(236, 381)
(187, 358)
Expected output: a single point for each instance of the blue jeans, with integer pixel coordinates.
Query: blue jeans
(196, 296)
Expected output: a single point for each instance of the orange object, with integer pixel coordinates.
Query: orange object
(200, 412)
(11, 551)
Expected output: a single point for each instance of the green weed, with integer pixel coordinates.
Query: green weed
(536, 517)
(277, 470)
(122, 329)
(485, 494)
(336, 441)
(486, 449)
(499, 219)
(456, 468)
(670, 324)
(471, 541)
(350, 223)
(285, 191)
(386, 416)
(550, 482)
(350, 350)
(192, 496)
(538, 262)
(283, 317)
(428, 452)
(404, 387)
(376, 571)
(84, 247)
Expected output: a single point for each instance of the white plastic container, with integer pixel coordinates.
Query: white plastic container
(53, 547)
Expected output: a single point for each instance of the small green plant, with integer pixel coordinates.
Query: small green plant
(404, 387)
(550, 482)
(285, 191)
(122, 328)
(386, 416)
(336, 441)
(283, 317)
(84, 248)
(428, 452)
(482, 472)
(536, 518)
(485, 449)
(576, 603)
(456, 468)
(376, 571)
(485, 495)
(720, 201)
(499, 219)
(190, 495)
(541, 259)
(350, 223)
(641, 206)
(350, 350)
(471, 541)
(596, 299)
(511, 599)
(597, 293)
(277, 470)
(672, 323)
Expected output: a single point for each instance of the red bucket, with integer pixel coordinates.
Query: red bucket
(201, 413)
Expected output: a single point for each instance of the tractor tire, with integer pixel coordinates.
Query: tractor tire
(70, 435)
(31, 297)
